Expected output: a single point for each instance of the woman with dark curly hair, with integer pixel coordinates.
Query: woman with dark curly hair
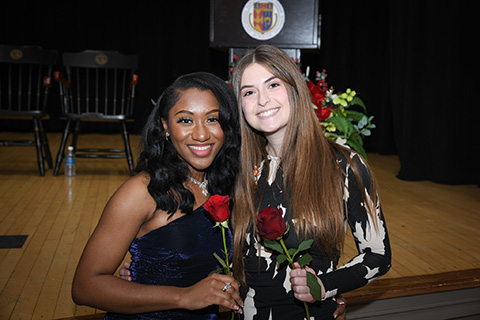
(190, 152)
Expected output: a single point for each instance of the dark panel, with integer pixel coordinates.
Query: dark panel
(12, 242)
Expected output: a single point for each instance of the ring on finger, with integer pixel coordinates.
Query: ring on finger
(227, 286)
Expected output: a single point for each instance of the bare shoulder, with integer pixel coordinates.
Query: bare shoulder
(133, 195)
(135, 186)
(137, 183)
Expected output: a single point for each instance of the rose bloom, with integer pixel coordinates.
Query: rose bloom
(271, 224)
(218, 207)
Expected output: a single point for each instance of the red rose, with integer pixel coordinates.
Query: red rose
(218, 207)
(271, 224)
(323, 113)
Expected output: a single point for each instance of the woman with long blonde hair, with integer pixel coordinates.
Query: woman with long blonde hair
(286, 162)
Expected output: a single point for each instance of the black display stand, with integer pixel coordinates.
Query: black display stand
(301, 27)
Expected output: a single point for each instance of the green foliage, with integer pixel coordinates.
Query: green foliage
(348, 126)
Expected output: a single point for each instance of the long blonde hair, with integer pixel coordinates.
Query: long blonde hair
(309, 162)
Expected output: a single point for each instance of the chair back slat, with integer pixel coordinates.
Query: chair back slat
(106, 90)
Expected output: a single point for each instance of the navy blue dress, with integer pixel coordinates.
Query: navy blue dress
(179, 254)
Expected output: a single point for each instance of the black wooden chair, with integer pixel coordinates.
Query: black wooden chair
(25, 79)
(98, 86)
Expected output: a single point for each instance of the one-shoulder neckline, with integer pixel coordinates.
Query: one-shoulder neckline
(174, 221)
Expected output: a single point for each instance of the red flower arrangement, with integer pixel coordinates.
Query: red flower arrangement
(272, 227)
(340, 123)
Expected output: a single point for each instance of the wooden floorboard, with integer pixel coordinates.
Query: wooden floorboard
(433, 230)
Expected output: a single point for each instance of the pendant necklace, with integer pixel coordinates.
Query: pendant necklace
(203, 185)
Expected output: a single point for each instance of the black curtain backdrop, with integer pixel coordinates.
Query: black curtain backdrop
(411, 61)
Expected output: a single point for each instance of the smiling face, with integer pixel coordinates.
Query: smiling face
(265, 102)
(194, 130)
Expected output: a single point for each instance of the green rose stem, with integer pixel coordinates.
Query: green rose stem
(290, 260)
(218, 207)
(226, 252)
(227, 263)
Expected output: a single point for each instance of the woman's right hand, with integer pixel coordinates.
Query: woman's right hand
(205, 292)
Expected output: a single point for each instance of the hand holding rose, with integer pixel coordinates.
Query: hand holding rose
(298, 279)
(272, 227)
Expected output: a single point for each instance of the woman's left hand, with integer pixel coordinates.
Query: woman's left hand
(124, 272)
(298, 279)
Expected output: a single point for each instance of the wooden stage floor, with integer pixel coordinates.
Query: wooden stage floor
(434, 230)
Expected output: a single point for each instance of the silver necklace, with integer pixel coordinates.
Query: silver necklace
(203, 185)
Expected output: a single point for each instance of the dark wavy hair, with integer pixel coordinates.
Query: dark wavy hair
(159, 157)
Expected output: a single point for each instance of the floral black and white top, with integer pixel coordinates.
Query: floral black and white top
(270, 295)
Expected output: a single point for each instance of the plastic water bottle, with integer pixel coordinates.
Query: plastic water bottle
(70, 162)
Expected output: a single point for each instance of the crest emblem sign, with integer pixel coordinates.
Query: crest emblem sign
(262, 16)
(263, 20)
